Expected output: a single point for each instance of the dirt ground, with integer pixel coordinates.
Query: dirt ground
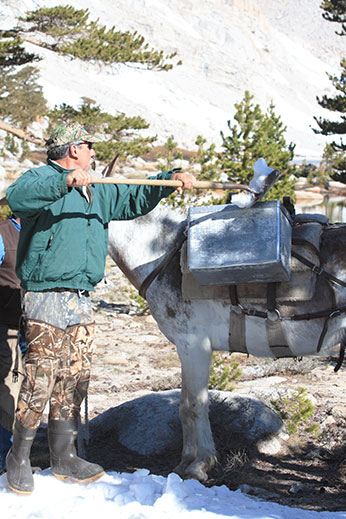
(133, 358)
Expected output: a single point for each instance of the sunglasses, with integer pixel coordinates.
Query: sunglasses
(89, 144)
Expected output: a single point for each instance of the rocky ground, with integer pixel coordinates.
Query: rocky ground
(133, 358)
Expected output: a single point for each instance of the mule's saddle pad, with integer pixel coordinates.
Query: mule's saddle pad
(306, 236)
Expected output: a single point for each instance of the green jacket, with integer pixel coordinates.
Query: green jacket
(63, 239)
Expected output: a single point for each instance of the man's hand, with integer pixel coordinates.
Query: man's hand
(78, 177)
(187, 180)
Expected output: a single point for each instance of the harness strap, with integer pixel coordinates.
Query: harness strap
(341, 357)
(329, 312)
(271, 296)
(236, 336)
(161, 266)
(275, 333)
(317, 270)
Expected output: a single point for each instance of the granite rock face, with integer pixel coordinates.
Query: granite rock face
(150, 424)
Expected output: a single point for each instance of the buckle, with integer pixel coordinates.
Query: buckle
(317, 270)
(335, 313)
(237, 309)
(273, 315)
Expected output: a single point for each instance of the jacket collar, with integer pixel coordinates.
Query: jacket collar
(57, 166)
(87, 193)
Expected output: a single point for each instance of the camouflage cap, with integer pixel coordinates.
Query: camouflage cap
(72, 132)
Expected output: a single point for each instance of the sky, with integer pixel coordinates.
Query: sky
(141, 495)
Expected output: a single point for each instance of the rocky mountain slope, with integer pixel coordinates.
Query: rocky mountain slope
(279, 50)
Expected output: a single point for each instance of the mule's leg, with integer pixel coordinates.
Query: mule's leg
(198, 454)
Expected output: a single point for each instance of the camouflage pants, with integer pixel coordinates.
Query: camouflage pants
(57, 369)
(58, 360)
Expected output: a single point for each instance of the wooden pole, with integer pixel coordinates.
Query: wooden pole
(200, 184)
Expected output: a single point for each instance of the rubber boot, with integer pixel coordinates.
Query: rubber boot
(63, 456)
(19, 472)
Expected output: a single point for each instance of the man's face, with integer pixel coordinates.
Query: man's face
(84, 154)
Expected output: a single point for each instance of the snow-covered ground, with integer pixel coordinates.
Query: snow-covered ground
(141, 496)
(279, 50)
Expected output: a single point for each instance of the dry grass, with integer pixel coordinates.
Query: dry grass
(169, 360)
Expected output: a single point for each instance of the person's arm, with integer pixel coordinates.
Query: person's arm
(33, 191)
(2, 250)
(128, 202)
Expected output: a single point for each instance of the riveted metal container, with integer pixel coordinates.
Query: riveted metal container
(229, 245)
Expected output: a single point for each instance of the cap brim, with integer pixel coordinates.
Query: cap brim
(96, 137)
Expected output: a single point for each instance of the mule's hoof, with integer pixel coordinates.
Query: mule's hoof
(181, 468)
(191, 472)
(199, 468)
(196, 474)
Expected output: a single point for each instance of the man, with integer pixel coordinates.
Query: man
(10, 312)
(60, 258)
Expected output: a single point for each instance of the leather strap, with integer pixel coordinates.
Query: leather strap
(236, 336)
(275, 333)
(317, 270)
(159, 270)
(341, 357)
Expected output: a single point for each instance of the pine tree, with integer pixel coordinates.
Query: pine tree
(57, 21)
(170, 154)
(121, 132)
(335, 104)
(75, 36)
(12, 53)
(21, 98)
(335, 11)
(254, 134)
(207, 159)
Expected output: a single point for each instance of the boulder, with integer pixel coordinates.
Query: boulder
(150, 424)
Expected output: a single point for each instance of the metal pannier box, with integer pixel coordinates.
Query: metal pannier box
(229, 245)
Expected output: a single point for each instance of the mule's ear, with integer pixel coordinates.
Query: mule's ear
(109, 170)
(288, 204)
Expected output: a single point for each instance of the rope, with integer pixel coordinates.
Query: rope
(86, 420)
(83, 431)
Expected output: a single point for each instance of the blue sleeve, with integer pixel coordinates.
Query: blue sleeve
(2, 250)
(15, 223)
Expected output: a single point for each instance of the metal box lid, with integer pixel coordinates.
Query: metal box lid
(229, 245)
